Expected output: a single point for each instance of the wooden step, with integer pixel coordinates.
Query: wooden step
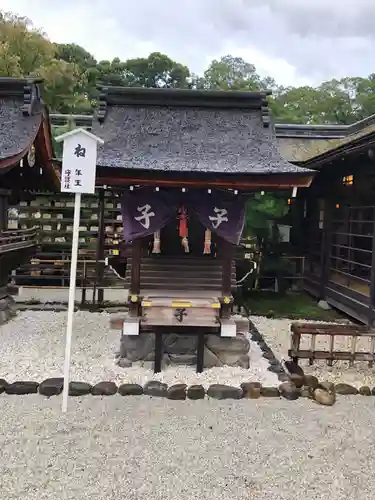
(186, 273)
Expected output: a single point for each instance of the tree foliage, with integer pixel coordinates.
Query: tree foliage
(72, 74)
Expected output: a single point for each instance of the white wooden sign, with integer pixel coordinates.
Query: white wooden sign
(79, 161)
(78, 175)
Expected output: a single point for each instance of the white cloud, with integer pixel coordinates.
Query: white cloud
(296, 41)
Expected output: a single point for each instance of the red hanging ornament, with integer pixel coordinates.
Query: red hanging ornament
(183, 217)
(183, 228)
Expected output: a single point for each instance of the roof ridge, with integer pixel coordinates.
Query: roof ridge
(156, 97)
(27, 89)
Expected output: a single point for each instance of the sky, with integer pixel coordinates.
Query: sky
(298, 42)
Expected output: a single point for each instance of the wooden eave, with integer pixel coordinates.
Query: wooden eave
(118, 177)
(43, 143)
(358, 145)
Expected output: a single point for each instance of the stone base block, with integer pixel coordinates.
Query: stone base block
(179, 349)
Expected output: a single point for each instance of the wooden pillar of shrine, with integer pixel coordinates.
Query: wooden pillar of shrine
(325, 255)
(100, 253)
(371, 317)
(135, 278)
(227, 255)
(4, 194)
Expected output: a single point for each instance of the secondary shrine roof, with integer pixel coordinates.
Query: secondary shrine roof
(21, 114)
(170, 130)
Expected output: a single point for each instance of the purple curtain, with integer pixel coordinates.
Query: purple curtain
(224, 214)
(145, 211)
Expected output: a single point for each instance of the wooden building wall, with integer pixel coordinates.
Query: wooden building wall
(339, 238)
(52, 213)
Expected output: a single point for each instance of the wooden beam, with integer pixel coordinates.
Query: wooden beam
(241, 184)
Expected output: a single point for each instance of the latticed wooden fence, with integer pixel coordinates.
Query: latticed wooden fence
(353, 333)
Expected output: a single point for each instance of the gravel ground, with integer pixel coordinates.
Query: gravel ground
(276, 333)
(142, 449)
(33, 348)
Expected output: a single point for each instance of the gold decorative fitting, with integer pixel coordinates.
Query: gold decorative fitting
(31, 156)
(134, 299)
(227, 300)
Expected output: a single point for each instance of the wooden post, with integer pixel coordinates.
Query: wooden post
(325, 259)
(100, 248)
(226, 256)
(135, 278)
(371, 316)
(226, 283)
(4, 194)
(135, 284)
(158, 350)
(200, 352)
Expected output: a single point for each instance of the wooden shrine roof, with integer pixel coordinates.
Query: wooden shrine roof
(24, 123)
(307, 144)
(297, 143)
(170, 130)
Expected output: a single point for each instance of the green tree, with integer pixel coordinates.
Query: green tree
(231, 73)
(23, 47)
(85, 65)
(111, 72)
(62, 89)
(25, 51)
(157, 70)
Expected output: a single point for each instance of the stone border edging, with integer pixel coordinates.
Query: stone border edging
(268, 354)
(323, 393)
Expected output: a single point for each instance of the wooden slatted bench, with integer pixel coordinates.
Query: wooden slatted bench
(332, 331)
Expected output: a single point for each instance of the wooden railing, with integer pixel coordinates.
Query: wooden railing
(15, 239)
(332, 331)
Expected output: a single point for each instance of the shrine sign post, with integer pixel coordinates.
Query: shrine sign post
(78, 176)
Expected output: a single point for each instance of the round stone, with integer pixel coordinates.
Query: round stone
(177, 392)
(270, 392)
(297, 379)
(345, 389)
(130, 390)
(3, 385)
(22, 387)
(311, 381)
(327, 386)
(289, 391)
(365, 390)
(155, 388)
(196, 392)
(104, 389)
(51, 387)
(220, 391)
(251, 390)
(79, 388)
(324, 397)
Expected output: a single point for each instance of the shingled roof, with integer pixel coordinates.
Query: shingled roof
(306, 144)
(20, 115)
(188, 131)
(25, 132)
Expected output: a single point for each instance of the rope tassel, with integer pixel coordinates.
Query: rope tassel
(185, 244)
(207, 242)
(156, 247)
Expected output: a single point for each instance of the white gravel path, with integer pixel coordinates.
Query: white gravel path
(33, 344)
(141, 449)
(276, 333)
